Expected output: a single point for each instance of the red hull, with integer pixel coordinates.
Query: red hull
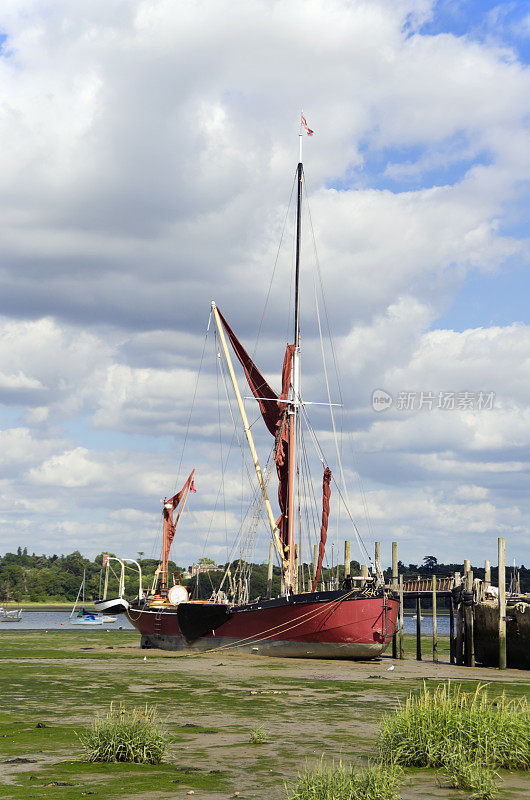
(330, 626)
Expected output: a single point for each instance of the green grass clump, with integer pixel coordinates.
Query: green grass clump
(331, 782)
(134, 737)
(258, 736)
(464, 772)
(432, 728)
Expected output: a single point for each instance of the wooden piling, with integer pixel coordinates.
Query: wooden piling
(434, 622)
(364, 573)
(502, 603)
(347, 559)
(270, 570)
(401, 609)
(487, 574)
(377, 557)
(459, 626)
(452, 648)
(394, 587)
(418, 628)
(468, 621)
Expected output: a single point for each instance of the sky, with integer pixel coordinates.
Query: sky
(146, 167)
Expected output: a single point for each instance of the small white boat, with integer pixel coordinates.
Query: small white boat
(118, 604)
(86, 617)
(10, 614)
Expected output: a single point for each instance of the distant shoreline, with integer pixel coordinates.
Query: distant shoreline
(51, 606)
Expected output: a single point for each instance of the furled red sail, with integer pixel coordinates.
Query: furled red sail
(169, 526)
(326, 492)
(274, 412)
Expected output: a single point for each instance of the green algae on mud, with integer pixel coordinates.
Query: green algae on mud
(209, 709)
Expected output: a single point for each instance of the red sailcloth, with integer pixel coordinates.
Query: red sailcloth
(274, 412)
(169, 526)
(326, 492)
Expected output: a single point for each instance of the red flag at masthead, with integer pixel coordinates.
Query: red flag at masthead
(306, 126)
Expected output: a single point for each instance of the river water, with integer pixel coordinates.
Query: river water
(54, 620)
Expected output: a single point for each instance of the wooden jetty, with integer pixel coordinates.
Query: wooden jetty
(478, 613)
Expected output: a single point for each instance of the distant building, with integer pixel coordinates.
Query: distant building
(198, 568)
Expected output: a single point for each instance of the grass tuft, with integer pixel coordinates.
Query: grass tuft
(462, 772)
(337, 782)
(436, 727)
(258, 736)
(134, 737)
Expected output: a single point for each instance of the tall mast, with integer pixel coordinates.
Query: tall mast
(294, 406)
(299, 176)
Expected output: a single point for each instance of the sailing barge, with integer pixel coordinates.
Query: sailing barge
(355, 620)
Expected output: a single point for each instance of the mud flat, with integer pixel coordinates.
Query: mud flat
(210, 703)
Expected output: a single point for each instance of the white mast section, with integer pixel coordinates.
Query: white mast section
(248, 434)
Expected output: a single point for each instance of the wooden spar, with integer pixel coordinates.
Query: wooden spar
(274, 528)
(315, 560)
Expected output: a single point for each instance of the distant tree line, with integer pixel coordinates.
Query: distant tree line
(34, 578)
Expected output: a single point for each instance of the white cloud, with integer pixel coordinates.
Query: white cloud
(147, 151)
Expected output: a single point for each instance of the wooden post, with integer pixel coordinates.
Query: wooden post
(347, 559)
(452, 630)
(434, 622)
(269, 572)
(315, 561)
(394, 588)
(467, 567)
(468, 611)
(364, 573)
(377, 558)
(502, 603)
(459, 625)
(487, 574)
(401, 609)
(418, 628)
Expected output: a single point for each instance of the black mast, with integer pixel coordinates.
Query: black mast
(299, 177)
